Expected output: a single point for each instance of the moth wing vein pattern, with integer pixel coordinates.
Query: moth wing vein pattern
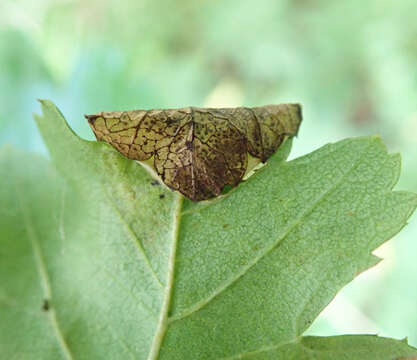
(198, 151)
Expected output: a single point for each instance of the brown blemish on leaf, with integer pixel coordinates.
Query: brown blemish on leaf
(198, 151)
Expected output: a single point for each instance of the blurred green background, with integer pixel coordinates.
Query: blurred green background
(352, 64)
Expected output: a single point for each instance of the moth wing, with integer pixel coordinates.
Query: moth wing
(275, 123)
(137, 134)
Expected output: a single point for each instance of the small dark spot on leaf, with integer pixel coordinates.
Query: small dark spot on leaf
(45, 305)
(225, 226)
(161, 196)
(155, 183)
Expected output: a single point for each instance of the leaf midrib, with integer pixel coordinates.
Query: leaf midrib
(163, 318)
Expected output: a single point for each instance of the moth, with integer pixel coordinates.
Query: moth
(198, 151)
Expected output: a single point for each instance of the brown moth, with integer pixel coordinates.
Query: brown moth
(197, 151)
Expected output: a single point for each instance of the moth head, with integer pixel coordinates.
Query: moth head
(92, 118)
(97, 124)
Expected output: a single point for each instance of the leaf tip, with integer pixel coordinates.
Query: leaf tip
(378, 139)
(45, 102)
(405, 340)
(46, 106)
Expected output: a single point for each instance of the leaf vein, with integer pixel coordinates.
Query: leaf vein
(297, 319)
(137, 241)
(45, 282)
(226, 284)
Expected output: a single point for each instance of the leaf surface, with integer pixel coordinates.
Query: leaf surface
(130, 274)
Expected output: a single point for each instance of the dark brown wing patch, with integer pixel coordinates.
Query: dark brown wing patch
(198, 151)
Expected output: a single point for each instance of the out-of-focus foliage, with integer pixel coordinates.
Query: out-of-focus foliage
(352, 64)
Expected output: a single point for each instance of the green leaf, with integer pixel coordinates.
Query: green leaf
(352, 347)
(128, 274)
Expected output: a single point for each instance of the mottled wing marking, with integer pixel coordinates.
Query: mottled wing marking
(198, 151)
(276, 122)
(220, 153)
